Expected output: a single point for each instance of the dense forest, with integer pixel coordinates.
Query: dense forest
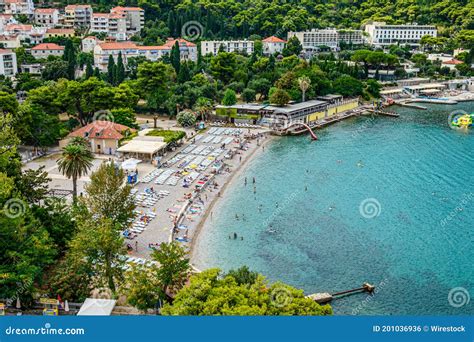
(241, 19)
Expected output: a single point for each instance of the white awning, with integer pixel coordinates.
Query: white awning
(97, 307)
(142, 147)
(130, 164)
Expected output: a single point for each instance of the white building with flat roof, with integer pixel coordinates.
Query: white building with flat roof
(316, 39)
(135, 18)
(77, 16)
(8, 64)
(381, 34)
(112, 24)
(239, 46)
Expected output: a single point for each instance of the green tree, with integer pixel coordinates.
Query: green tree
(89, 70)
(230, 98)
(119, 76)
(174, 268)
(293, 47)
(175, 57)
(111, 70)
(186, 118)
(154, 81)
(304, 83)
(75, 162)
(223, 66)
(248, 95)
(124, 116)
(142, 288)
(107, 195)
(280, 97)
(209, 293)
(348, 86)
(98, 246)
(70, 57)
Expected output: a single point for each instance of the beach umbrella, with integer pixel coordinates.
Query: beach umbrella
(66, 306)
(18, 304)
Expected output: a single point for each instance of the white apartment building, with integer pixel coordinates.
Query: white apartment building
(48, 17)
(77, 16)
(102, 51)
(19, 7)
(113, 24)
(381, 34)
(26, 33)
(315, 39)
(239, 46)
(89, 43)
(47, 49)
(6, 19)
(135, 18)
(10, 42)
(8, 65)
(272, 45)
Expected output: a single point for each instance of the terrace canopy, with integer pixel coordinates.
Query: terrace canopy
(142, 149)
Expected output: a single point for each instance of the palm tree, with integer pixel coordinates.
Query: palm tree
(304, 82)
(75, 161)
(203, 106)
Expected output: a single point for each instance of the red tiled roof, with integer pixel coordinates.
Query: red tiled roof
(157, 47)
(170, 42)
(453, 62)
(22, 27)
(273, 39)
(4, 51)
(46, 10)
(100, 15)
(101, 130)
(122, 9)
(118, 46)
(58, 30)
(48, 46)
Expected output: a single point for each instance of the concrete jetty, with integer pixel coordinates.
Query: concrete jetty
(326, 297)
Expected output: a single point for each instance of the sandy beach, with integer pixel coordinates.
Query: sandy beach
(226, 180)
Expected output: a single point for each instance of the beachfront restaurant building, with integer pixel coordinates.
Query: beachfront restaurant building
(427, 89)
(143, 147)
(282, 117)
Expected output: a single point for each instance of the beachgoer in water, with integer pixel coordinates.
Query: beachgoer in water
(235, 236)
(245, 182)
(253, 180)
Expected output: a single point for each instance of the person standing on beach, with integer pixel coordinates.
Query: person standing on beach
(136, 246)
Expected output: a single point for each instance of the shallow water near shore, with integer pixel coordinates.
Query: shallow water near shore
(384, 200)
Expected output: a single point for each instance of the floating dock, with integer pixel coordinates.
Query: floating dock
(326, 297)
(384, 112)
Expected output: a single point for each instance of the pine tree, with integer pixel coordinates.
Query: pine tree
(97, 73)
(184, 74)
(119, 70)
(175, 57)
(70, 56)
(111, 70)
(89, 70)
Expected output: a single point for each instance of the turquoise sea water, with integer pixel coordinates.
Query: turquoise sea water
(384, 200)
